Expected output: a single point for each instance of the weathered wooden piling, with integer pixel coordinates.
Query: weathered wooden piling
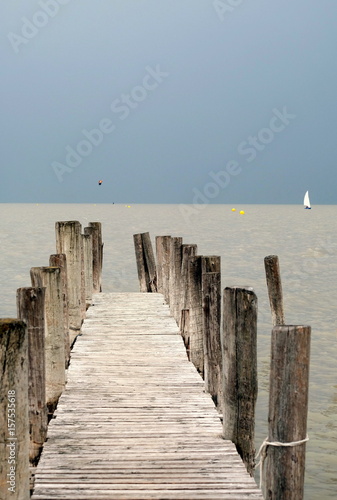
(274, 285)
(14, 423)
(60, 260)
(187, 251)
(69, 242)
(240, 370)
(175, 276)
(97, 256)
(143, 273)
(163, 252)
(185, 329)
(196, 323)
(211, 293)
(288, 409)
(30, 306)
(88, 275)
(50, 278)
(149, 261)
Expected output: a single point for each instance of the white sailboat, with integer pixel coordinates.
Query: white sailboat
(306, 201)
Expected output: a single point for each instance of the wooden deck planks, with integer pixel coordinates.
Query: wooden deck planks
(134, 421)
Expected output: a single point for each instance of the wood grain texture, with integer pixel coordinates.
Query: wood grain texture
(134, 421)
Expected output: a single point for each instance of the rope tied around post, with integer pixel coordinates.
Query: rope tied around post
(262, 452)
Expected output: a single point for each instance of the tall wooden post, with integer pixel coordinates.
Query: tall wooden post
(163, 252)
(88, 276)
(143, 273)
(14, 423)
(196, 322)
(89, 231)
(60, 260)
(187, 251)
(175, 276)
(288, 409)
(240, 370)
(274, 285)
(211, 292)
(149, 261)
(50, 278)
(30, 305)
(97, 255)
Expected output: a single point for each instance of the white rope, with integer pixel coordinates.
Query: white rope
(262, 452)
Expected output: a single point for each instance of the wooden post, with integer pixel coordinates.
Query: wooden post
(89, 231)
(163, 250)
(143, 273)
(97, 255)
(88, 276)
(211, 291)
(211, 264)
(149, 261)
(185, 329)
(60, 260)
(288, 409)
(175, 276)
(240, 370)
(30, 306)
(196, 323)
(187, 251)
(274, 285)
(14, 423)
(50, 277)
(69, 242)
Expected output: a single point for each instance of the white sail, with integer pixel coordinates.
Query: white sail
(306, 201)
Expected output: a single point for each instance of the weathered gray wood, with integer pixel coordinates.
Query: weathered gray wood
(60, 260)
(184, 329)
(88, 276)
(69, 242)
(14, 422)
(146, 431)
(149, 261)
(50, 278)
(240, 370)
(196, 324)
(187, 251)
(143, 273)
(175, 276)
(211, 264)
(30, 306)
(97, 252)
(211, 292)
(89, 231)
(274, 285)
(288, 410)
(163, 252)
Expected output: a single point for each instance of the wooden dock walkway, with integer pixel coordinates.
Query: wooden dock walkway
(134, 422)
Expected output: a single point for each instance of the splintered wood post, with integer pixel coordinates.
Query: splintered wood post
(184, 329)
(175, 276)
(69, 242)
(149, 261)
(30, 306)
(97, 255)
(288, 410)
(196, 323)
(89, 231)
(211, 264)
(274, 285)
(14, 422)
(60, 260)
(187, 251)
(50, 278)
(143, 273)
(88, 277)
(240, 370)
(163, 249)
(211, 291)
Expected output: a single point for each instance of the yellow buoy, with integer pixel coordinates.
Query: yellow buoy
(233, 209)
(242, 212)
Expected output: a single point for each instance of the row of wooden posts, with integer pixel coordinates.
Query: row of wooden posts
(224, 351)
(35, 348)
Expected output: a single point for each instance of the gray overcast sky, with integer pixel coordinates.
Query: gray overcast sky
(156, 97)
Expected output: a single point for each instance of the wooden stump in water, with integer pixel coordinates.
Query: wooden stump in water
(274, 285)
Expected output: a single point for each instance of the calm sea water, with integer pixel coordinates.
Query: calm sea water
(304, 240)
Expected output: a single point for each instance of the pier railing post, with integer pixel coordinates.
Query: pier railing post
(175, 276)
(274, 285)
(60, 260)
(196, 313)
(69, 242)
(50, 278)
(97, 256)
(240, 370)
(163, 251)
(187, 251)
(149, 261)
(14, 422)
(30, 306)
(143, 273)
(88, 276)
(288, 409)
(211, 292)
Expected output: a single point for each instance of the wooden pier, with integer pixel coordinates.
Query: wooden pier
(134, 421)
